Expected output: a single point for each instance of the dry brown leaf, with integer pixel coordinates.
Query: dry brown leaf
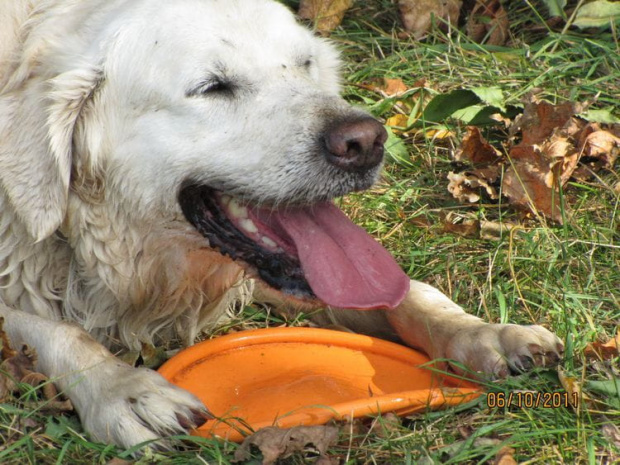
(540, 119)
(545, 159)
(278, 443)
(505, 456)
(466, 186)
(553, 147)
(602, 148)
(494, 230)
(563, 158)
(475, 149)
(394, 87)
(526, 183)
(604, 350)
(465, 228)
(11, 372)
(421, 222)
(488, 23)
(417, 15)
(326, 14)
(14, 366)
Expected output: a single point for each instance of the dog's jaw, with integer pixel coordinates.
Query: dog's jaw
(219, 220)
(308, 252)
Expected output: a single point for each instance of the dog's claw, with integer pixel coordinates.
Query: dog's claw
(525, 363)
(196, 419)
(497, 349)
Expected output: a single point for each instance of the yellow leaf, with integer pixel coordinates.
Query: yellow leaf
(439, 133)
(397, 121)
(572, 387)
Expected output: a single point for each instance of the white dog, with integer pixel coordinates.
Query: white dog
(161, 162)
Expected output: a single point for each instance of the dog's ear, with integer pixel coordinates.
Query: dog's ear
(37, 120)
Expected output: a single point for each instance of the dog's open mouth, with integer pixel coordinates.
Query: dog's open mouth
(311, 251)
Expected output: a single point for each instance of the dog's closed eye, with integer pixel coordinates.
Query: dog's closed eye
(213, 85)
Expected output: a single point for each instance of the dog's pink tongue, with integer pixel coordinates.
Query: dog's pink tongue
(343, 264)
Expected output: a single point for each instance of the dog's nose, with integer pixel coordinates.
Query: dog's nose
(355, 145)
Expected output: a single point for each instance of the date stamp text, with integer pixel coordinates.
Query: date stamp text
(532, 399)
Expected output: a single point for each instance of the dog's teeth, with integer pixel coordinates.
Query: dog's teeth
(225, 199)
(236, 210)
(248, 226)
(268, 242)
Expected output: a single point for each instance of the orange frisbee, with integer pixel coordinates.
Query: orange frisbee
(306, 376)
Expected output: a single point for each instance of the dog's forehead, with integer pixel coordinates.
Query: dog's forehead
(194, 37)
(169, 48)
(253, 28)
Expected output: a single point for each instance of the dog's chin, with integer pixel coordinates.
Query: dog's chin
(235, 230)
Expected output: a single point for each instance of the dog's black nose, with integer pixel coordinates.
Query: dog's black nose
(355, 145)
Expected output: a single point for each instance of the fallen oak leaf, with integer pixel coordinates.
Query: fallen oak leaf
(466, 186)
(465, 228)
(492, 230)
(279, 443)
(539, 120)
(599, 149)
(488, 23)
(574, 389)
(604, 350)
(563, 158)
(475, 149)
(417, 15)
(20, 370)
(505, 456)
(602, 146)
(52, 400)
(553, 147)
(526, 181)
(326, 14)
(12, 370)
(394, 87)
(14, 364)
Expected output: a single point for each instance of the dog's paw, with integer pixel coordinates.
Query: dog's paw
(135, 405)
(498, 350)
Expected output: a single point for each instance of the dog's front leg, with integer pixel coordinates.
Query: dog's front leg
(117, 403)
(429, 320)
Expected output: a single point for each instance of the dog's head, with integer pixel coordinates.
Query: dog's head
(223, 114)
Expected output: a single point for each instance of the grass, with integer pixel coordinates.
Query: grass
(564, 277)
